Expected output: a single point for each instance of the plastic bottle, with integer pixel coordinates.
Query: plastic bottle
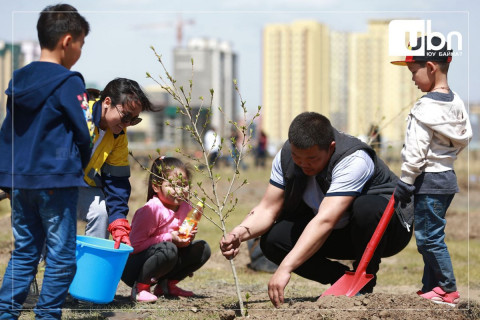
(191, 221)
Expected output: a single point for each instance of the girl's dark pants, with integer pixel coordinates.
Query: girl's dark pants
(165, 261)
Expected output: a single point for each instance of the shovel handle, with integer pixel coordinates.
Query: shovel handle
(376, 237)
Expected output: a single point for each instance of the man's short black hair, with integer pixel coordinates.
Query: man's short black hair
(309, 129)
(56, 21)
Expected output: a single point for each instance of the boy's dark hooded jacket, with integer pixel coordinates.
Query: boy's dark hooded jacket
(44, 140)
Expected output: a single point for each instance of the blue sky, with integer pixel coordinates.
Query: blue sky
(122, 32)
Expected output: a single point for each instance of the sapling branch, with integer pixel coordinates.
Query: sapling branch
(221, 204)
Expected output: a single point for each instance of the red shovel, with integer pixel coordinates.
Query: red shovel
(352, 282)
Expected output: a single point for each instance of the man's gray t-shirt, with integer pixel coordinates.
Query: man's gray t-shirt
(348, 179)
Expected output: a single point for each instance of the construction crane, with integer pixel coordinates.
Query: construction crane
(179, 25)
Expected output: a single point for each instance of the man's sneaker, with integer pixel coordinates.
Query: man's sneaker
(438, 295)
(141, 293)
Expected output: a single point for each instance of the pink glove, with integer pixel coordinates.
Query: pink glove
(120, 229)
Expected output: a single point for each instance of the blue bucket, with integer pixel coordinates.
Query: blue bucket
(99, 269)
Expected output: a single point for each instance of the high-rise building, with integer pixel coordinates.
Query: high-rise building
(9, 61)
(345, 76)
(296, 64)
(339, 79)
(12, 57)
(214, 67)
(380, 94)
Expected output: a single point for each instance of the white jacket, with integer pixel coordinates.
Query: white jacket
(436, 133)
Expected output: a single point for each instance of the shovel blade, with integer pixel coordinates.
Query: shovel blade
(348, 285)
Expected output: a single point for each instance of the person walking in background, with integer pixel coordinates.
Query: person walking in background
(103, 204)
(161, 256)
(375, 138)
(236, 144)
(234, 141)
(438, 128)
(261, 152)
(44, 149)
(212, 145)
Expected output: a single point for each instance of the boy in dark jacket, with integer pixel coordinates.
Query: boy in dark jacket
(45, 144)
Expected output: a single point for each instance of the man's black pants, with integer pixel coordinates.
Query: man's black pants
(347, 243)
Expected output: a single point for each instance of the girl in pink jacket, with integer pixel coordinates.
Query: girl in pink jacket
(160, 256)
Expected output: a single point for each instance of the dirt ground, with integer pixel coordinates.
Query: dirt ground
(209, 303)
(215, 298)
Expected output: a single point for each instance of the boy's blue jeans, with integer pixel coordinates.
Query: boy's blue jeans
(39, 216)
(430, 224)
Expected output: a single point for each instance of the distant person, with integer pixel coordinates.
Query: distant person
(375, 138)
(44, 145)
(261, 152)
(212, 143)
(438, 128)
(234, 137)
(160, 256)
(103, 204)
(236, 144)
(327, 193)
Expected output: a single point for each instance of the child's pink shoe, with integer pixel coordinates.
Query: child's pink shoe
(438, 295)
(145, 296)
(141, 293)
